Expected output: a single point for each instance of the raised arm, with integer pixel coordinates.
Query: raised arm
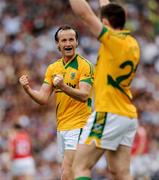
(82, 9)
(103, 2)
(41, 96)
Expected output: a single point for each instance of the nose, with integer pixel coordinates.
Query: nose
(68, 43)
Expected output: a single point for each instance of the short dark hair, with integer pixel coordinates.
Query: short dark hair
(17, 126)
(115, 14)
(65, 27)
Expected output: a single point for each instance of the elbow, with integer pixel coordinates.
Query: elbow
(42, 102)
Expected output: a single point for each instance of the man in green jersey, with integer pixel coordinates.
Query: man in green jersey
(71, 79)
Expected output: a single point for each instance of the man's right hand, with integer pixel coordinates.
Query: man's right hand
(40, 96)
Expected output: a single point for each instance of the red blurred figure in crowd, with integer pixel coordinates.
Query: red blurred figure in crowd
(140, 145)
(20, 147)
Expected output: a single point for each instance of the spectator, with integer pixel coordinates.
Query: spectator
(20, 148)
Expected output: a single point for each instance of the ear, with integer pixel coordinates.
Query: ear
(76, 44)
(105, 22)
(58, 47)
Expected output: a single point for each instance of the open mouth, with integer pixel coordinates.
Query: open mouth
(68, 48)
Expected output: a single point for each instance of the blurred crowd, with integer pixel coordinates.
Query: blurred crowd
(27, 46)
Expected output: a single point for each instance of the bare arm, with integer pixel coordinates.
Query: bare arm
(41, 96)
(82, 9)
(81, 94)
(103, 2)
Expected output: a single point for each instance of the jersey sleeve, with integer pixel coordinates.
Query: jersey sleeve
(87, 74)
(48, 76)
(104, 35)
(112, 39)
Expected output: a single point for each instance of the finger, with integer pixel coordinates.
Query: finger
(24, 81)
(56, 80)
(59, 76)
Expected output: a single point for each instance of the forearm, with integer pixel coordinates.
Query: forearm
(103, 2)
(35, 95)
(79, 95)
(80, 7)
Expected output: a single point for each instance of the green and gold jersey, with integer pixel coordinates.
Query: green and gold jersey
(71, 114)
(117, 62)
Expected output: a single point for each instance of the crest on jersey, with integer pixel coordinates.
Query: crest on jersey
(73, 75)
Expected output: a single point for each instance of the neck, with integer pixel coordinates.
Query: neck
(67, 59)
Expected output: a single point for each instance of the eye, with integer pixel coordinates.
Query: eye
(63, 40)
(71, 39)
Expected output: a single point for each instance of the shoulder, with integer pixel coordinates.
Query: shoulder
(135, 41)
(84, 60)
(104, 30)
(86, 64)
(54, 64)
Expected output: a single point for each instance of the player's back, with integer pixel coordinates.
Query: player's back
(116, 66)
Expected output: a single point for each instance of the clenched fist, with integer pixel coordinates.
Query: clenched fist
(58, 80)
(24, 80)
